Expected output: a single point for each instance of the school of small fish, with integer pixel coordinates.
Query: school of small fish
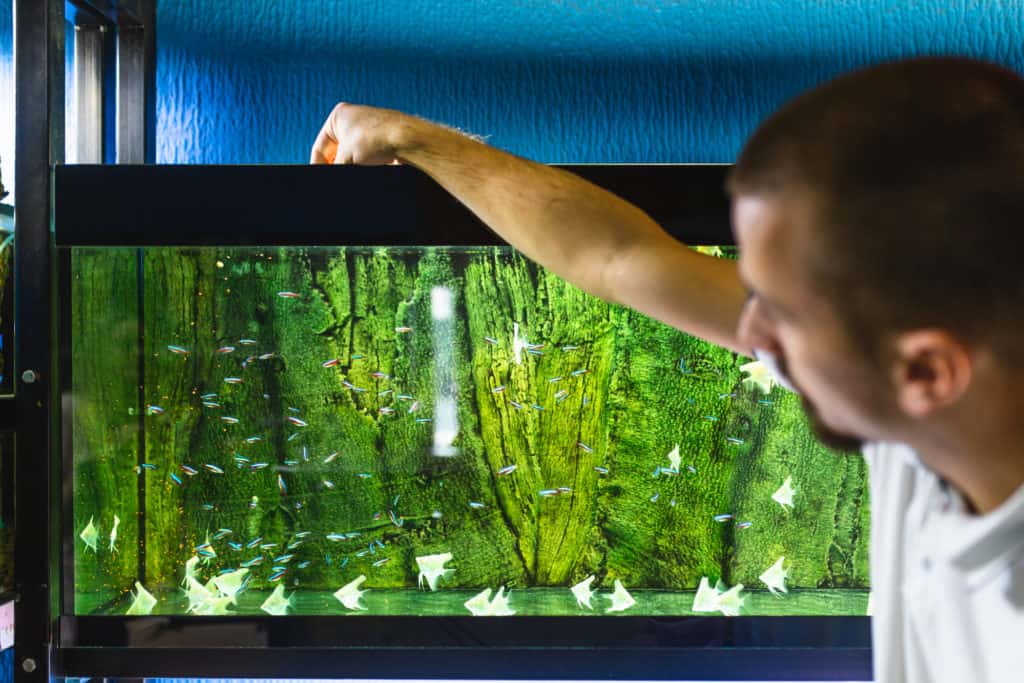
(221, 591)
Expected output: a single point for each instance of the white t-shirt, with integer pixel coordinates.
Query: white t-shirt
(948, 586)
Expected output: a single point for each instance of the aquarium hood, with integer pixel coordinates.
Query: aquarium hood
(330, 205)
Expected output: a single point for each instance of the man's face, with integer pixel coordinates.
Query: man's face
(845, 399)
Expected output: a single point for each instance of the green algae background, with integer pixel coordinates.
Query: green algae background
(635, 403)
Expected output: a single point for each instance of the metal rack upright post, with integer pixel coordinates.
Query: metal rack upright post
(115, 64)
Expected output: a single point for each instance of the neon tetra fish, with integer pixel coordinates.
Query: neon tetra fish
(288, 295)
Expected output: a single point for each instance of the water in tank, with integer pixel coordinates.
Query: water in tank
(430, 431)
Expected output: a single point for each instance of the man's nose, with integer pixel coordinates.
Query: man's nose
(755, 330)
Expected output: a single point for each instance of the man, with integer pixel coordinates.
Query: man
(880, 223)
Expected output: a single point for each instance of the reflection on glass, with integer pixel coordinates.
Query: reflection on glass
(270, 446)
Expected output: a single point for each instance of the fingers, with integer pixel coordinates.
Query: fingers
(325, 148)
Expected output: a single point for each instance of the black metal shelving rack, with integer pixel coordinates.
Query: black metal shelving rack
(115, 65)
(146, 205)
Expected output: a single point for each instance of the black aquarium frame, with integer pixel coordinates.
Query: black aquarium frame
(153, 206)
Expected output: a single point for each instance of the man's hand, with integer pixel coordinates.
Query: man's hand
(355, 134)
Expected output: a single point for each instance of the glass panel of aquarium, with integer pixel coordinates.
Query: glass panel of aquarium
(431, 431)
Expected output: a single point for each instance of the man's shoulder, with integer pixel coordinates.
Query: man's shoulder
(888, 454)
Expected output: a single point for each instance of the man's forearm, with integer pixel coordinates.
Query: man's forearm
(568, 225)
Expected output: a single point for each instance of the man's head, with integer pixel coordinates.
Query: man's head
(879, 219)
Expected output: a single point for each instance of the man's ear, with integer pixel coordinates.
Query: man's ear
(930, 369)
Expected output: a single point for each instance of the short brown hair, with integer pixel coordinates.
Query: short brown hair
(916, 172)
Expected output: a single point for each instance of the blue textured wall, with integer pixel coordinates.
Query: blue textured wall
(7, 95)
(250, 81)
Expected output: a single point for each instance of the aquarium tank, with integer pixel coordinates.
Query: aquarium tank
(428, 429)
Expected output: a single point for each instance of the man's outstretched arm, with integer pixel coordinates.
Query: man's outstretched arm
(583, 233)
